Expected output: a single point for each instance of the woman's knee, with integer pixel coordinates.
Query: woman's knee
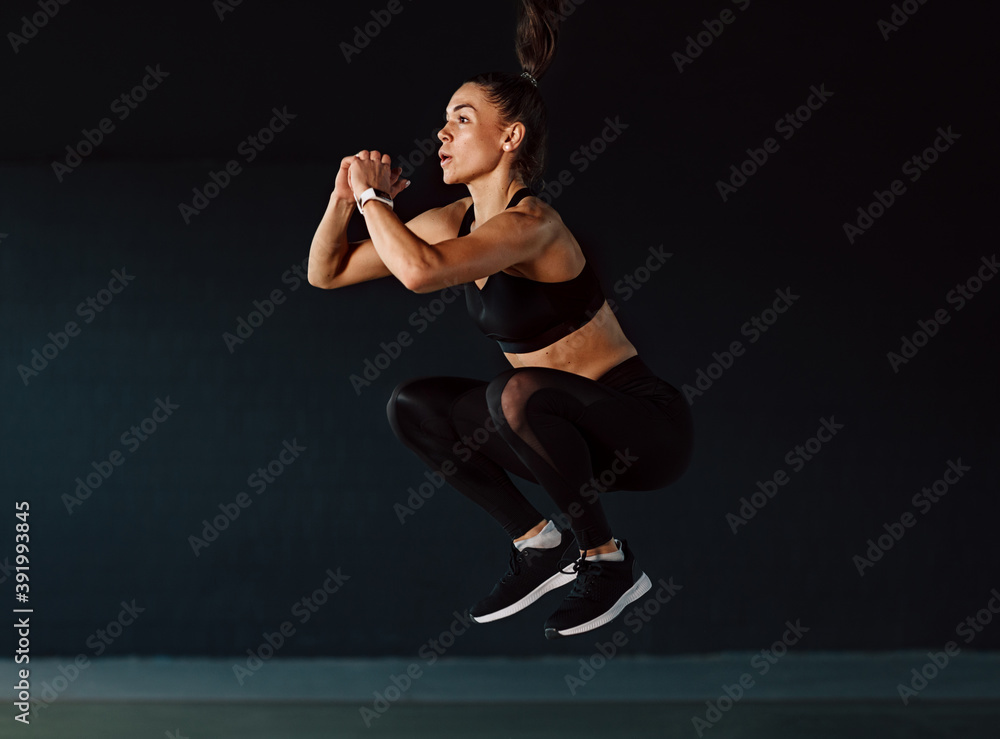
(421, 404)
(404, 407)
(507, 395)
(516, 393)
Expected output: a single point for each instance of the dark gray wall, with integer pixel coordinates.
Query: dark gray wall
(334, 506)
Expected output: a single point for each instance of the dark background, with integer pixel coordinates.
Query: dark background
(333, 507)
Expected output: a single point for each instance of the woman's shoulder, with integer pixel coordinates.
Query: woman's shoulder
(541, 214)
(544, 218)
(536, 206)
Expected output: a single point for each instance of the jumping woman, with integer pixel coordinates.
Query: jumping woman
(578, 413)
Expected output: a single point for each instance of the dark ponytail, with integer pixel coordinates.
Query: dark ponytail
(537, 32)
(516, 98)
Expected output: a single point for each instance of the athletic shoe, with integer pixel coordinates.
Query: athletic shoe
(532, 573)
(600, 593)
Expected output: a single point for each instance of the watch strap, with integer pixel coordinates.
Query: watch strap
(372, 194)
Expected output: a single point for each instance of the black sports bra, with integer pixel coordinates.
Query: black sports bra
(525, 315)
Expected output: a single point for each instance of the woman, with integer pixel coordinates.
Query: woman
(579, 412)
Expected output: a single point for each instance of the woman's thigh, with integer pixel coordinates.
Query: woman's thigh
(635, 447)
(477, 432)
(639, 434)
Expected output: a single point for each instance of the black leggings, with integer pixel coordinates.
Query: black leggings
(576, 437)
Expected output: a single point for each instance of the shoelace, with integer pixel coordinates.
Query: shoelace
(587, 572)
(513, 564)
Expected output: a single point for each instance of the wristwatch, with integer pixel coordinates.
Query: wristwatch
(372, 194)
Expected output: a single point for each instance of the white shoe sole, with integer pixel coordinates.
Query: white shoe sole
(641, 587)
(558, 580)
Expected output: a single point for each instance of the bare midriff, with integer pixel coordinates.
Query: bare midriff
(590, 351)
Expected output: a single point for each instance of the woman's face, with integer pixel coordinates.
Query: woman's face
(472, 137)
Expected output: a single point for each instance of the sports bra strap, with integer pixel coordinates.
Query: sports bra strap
(519, 196)
(466, 228)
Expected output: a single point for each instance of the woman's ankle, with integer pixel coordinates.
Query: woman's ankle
(607, 547)
(535, 530)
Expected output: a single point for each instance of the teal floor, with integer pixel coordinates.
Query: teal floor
(805, 720)
(806, 696)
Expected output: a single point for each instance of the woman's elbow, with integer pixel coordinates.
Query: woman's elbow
(417, 280)
(320, 280)
(429, 280)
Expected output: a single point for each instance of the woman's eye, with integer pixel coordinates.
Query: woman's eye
(462, 118)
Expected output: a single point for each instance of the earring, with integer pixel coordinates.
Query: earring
(507, 147)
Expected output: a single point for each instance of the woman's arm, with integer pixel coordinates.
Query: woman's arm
(512, 236)
(335, 262)
(507, 238)
(329, 246)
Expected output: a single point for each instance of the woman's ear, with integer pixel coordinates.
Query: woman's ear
(515, 137)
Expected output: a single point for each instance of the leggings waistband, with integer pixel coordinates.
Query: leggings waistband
(629, 369)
